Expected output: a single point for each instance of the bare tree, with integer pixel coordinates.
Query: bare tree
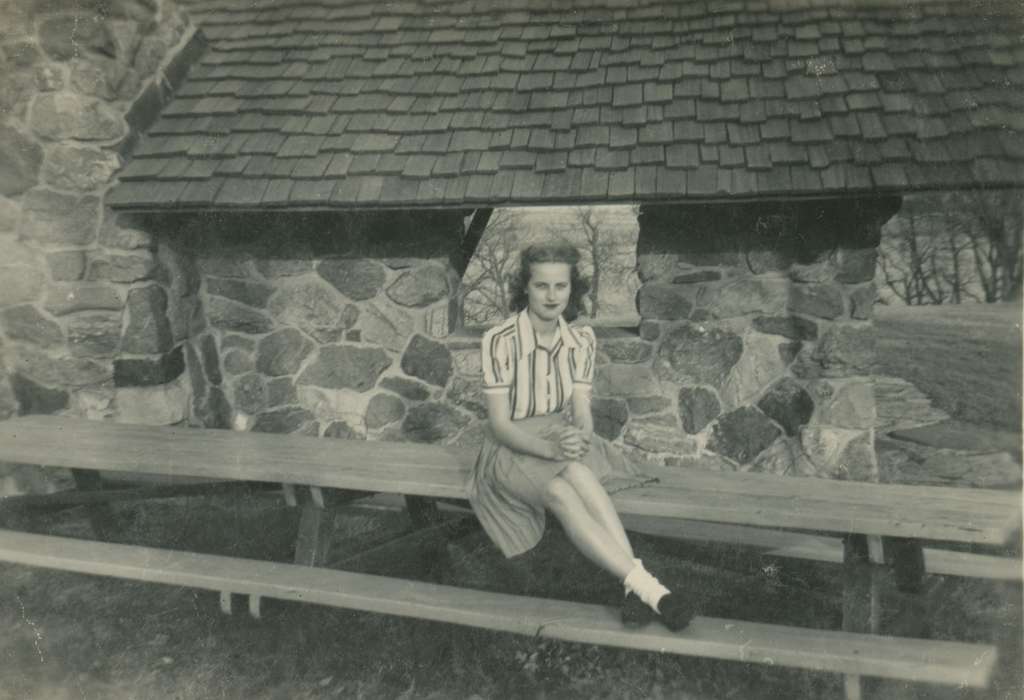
(954, 247)
(604, 251)
(484, 293)
(993, 223)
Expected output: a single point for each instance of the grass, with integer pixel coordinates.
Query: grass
(966, 358)
(86, 637)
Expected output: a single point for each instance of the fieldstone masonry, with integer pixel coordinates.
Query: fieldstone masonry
(324, 324)
(755, 346)
(87, 312)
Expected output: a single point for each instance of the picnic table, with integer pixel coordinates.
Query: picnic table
(870, 517)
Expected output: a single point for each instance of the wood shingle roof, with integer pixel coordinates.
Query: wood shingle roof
(443, 102)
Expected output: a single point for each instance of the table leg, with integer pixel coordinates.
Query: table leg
(101, 515)
(907, 559)
(423, 512)
(313, 537)
(862, 610)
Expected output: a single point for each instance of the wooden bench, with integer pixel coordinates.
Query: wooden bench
(903, 513)
(819, 650)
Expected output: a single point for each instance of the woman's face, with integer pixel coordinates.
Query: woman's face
(548, 290)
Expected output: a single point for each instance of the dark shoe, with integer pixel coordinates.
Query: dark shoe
(635, 612)
(676, 611)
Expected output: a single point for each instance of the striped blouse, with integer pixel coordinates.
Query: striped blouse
(538, 380)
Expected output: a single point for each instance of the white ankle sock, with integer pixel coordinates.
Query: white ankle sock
(649, 589)
(625, 588)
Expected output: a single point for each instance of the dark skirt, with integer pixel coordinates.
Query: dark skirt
(506, 487)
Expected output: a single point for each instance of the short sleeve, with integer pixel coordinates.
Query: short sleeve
(583, 357)
(496, 361)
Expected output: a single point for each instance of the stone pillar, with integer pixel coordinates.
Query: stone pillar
(82, 299)
(757, 318)
(328, 324)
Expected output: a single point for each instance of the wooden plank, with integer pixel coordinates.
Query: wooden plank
(797, 545)
(72, 498)
(914, 519)
(944, 662)
(935, 513)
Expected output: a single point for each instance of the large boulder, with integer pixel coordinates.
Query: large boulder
(846, 349)
(346, 367)
(627, 351)
(743, 296)
(148, 331)
(35, 398)
(79, 168)
(383, 409)
(610, 416)
(64, 115)
(20, 158)
(312, 306)
(20, 285)
(698, 406)
(94, 334)
(428, 360)
(254, 294)
(64, 299)
(625, 380)
(420, 286)
(68, 36)
(60, 220)
(664, 302)
(407, 388)
(431, 422)
(282, 352)
(27, 324)
(759, 366)
(387, 325)
(743, 434)
(283, 420)
(791, 327)
(231, 316)
(357, 278)
(788, 404)
(821, 300)
(698, 354)
(659, 434)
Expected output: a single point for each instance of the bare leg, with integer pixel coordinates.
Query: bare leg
(597, 502)
(584, 531)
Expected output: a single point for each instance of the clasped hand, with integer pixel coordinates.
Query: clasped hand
(572, 443)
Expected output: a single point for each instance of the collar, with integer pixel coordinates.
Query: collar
(528, 337)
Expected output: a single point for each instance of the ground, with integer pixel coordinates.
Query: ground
(967, 358)
(73, 636)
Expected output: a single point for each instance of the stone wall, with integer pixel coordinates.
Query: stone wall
(83, 298)
(756, 345)
(318, 323)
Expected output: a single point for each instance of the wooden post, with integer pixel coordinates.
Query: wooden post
(423, 512)
(312, 541)
(861, 603)
(101, 515)
(906, 556)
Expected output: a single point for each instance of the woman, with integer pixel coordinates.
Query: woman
(540, 452)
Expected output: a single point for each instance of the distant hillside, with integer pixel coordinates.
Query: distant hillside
(966, 358)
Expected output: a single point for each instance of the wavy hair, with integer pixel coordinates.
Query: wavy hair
(557, 251)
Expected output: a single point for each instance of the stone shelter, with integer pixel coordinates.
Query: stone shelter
(257, 218)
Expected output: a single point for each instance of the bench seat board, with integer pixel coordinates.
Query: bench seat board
(797, 545)
(925, 512)
(942, 662)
